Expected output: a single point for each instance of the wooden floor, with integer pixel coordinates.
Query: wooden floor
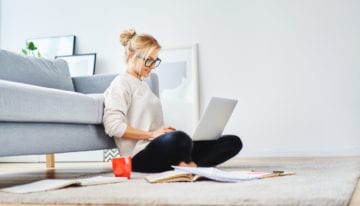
(21, 173)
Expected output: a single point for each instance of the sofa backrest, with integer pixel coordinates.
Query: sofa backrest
(36, 71)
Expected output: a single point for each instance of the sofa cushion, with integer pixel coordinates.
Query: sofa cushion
(28, 103)
(36, 71)
(19, 138)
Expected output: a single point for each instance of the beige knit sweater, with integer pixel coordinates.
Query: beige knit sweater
(130, 102)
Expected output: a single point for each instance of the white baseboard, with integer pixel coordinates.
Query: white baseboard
(27, 158)
(300, 152)
(89, 156)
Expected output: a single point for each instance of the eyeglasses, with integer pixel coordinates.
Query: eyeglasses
(150, 62)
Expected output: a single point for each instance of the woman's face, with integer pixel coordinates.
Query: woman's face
(147, 64)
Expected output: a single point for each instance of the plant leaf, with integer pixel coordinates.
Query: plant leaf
(24, 52)
(32, 46)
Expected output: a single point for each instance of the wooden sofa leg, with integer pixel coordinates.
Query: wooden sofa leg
(50, 161)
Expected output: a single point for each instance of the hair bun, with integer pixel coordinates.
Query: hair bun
(126, 36)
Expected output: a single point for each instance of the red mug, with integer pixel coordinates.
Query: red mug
(122, 166)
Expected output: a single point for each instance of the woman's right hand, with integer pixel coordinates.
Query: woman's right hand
(161, 131)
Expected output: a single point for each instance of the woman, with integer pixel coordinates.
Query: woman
(133, 115)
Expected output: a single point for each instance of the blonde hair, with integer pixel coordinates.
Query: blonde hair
(137, 44)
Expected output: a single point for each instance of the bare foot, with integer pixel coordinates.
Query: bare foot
(192, 164)
(184, 164)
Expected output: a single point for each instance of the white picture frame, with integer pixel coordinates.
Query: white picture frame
(50, 47)
(80, 64)
(179, 86)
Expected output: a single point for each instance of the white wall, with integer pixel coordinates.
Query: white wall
(293, 65)
(0, 22)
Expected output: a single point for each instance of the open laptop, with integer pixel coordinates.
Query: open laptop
(215, 118)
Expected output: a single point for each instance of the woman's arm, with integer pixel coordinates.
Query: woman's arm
(133, 133)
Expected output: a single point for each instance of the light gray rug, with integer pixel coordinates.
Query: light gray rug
(316, 183)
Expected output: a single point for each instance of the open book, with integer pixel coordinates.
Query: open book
(52, 184)
(191, 174)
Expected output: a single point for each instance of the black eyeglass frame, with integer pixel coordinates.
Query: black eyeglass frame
(149, 62)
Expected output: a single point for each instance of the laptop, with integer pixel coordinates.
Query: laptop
(215, 118)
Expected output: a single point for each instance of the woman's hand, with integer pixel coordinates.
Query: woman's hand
(137, 134)
(161, 131)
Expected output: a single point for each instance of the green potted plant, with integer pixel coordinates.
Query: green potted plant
(30, 49)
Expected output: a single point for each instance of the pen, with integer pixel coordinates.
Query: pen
(274, 171)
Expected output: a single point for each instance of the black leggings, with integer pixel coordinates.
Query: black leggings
(174, 147)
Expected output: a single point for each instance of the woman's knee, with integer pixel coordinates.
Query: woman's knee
(180, 139)
(179, 146)
(234, 142)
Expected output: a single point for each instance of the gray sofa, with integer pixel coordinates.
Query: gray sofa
(43, 110)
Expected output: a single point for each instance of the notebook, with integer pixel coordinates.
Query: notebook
(214, 119)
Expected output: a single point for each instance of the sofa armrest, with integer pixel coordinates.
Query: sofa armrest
(93, 84)
(100, 82)
(29, 103)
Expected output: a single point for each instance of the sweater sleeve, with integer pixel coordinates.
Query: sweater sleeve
(117, 102)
